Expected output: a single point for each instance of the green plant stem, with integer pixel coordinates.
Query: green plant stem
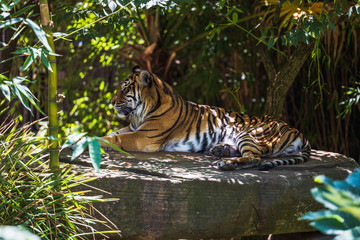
(52, 82)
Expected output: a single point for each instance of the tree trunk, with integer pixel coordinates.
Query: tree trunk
(52, 79)
(281, 81)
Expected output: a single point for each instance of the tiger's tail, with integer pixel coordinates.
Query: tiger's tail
(305, 155)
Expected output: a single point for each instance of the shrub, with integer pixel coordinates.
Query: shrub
(31, 195)
(342, 198)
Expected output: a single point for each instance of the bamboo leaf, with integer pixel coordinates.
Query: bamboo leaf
(39, 33)
(26, 91)
(95, 155)
(6, 91)
(29, 60)
(21, 97)
(80, 147)
(13, 3)
(112, 6)
(4, 6)
(23, 10)
(73, 138)
(36, 106)
(10, 22)
(45, 61)
(18, 80)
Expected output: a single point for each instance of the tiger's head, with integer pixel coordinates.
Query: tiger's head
(134, 95)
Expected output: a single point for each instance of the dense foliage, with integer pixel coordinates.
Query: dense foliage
(46, 202)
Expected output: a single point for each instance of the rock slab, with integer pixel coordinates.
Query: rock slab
(179, 195)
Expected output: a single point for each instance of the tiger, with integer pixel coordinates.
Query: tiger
(161, 120)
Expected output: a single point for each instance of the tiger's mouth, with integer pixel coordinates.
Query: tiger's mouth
(122, 111)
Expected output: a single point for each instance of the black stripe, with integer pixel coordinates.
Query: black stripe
(198, 124)
(169, 129)
(158, 103)
(204, 143)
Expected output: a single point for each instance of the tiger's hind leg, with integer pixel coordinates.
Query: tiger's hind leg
(250, 153)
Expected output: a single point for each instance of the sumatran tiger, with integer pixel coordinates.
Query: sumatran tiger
(160, 120)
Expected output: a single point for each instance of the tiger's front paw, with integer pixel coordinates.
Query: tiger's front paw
(227, 165)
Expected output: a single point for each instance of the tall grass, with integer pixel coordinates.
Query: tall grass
(31, 195)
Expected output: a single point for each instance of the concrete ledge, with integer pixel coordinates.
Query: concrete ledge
(175, 195)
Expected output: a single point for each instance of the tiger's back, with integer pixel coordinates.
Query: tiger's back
(161, 120)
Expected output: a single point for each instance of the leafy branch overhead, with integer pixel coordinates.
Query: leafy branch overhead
(17, 23)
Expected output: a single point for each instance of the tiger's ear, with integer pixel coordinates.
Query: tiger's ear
(136, 69)
(145, 79)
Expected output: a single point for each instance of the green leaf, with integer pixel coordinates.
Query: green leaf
(208, 26)
(319, 215)
(39, 33)
(321, 195)
(329, 225)
(354, 212)
(21, 97)
(112, 6)
(350, 11)
(73, 138)
(212, 35)
(36, 106)
(4, 6)
(27, 93)
(271, 42)
(29, 60)
(222, 3)
(13, 3)
(18, 80)
(353, 179)
(10, 22)
(80, 147)
(95, 154)
(6, 91)
(235, 17)
(332, 26)
(24, 93)
(45, 61)
(23, 10)
(357, 8)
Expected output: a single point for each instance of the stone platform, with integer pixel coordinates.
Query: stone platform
(176, 195)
